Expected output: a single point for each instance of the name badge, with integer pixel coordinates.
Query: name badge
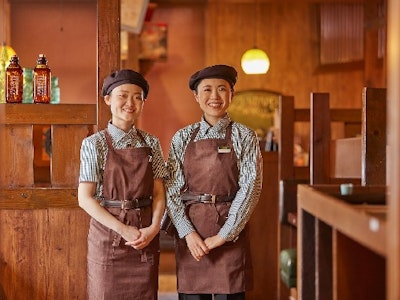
(224, 149)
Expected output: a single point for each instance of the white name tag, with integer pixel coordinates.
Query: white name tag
(224, 149)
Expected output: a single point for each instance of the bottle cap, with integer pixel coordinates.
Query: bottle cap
(14, 58)
(42, 59)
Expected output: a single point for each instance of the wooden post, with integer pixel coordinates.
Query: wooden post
(108, 24)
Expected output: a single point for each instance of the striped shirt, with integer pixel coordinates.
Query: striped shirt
(249, 160)
(94, 151)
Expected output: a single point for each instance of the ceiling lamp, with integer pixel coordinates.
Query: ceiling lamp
(255, 60)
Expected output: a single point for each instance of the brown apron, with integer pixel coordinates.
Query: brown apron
(210, 167)
(116, 271)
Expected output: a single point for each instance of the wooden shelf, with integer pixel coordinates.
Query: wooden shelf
(44, 114)
(341, 242)
(363, 223)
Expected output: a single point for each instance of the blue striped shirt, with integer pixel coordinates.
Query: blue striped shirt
(94, 151)
(249, 160)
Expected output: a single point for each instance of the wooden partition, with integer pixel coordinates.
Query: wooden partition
(263, 233)
(43, 231)
(290, 176)
(361, 159)
(331, 261)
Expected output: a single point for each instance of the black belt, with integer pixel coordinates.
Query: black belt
(128, 204)
(207, 198)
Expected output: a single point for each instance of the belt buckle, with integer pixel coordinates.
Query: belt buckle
(212, 200)
(124, 204)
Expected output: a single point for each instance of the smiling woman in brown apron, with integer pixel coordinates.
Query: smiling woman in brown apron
(121, 187)
(215, 182)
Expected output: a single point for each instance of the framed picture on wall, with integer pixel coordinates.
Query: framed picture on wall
(256, 109)
(153, 41)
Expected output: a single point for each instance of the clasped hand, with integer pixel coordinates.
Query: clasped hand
(138, 238)
(199, 248)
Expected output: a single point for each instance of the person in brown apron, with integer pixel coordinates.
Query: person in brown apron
(121, 187)
(215, 182)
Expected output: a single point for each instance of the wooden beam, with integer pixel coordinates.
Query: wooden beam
(34, 198)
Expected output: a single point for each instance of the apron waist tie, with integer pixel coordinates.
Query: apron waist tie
(128, 204)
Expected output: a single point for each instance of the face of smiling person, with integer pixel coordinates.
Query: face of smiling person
(126, 103)
(214, 96)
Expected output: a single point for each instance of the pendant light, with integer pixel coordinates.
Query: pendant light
(255, 60)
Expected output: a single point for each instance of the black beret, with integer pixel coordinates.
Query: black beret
(217, 71)
(118, 78)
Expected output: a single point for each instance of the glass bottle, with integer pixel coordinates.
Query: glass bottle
(41, 81)
(14, 81)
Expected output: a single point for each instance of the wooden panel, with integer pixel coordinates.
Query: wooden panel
(17, 156)
(341, 33)
(37, 198)
(306, 288)
(345, 157)
(67, 255)
(393, 96)
(40, 257)
(263, 233)
(66, 143)
(374, 136)
(360, 273)
(286, 137)
(321, 137)
(323, 261)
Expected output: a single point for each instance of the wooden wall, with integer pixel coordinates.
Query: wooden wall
(220, 32)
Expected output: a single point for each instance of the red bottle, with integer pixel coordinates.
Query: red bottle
(14, 81)
(41, 81)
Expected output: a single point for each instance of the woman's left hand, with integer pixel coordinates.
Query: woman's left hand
(214, 241)
(147, 235)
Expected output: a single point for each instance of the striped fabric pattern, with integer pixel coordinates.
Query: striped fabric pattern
(94, 151)
(247, 150)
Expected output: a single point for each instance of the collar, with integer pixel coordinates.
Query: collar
(118, 134)
(219, 127)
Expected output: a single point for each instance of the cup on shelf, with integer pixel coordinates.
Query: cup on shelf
(346, 189)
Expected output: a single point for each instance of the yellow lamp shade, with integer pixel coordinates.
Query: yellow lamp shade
(255, 61)
(5, 54)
